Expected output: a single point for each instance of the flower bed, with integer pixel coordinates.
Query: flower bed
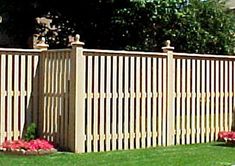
(32, 147)
(227, 136)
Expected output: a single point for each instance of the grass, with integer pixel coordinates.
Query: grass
(213, 154)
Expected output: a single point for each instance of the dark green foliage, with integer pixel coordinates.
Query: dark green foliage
(30, 132)
(192, 26)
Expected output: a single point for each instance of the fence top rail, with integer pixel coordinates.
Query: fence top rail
(97, 52)
(20, 50)
(203, 56)
(59, 50)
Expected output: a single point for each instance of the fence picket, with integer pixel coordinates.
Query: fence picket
(126, 102)
(226, 128)
(114, 103)
(212, 125)
(137, 120)
(108, 106)
(188, 97)
(208, 100)
(132, 98)
(101, 110)
(143, 102)
(193, 101)
(178, 99)
(16, 98)
(3, 97)
(216, 98)
(160, 101)
(154, 104)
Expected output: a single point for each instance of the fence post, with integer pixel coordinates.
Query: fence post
(77, 98)
(43, 47)
(170, 92)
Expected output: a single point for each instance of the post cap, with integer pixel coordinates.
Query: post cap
(77, 42)
(168, 46)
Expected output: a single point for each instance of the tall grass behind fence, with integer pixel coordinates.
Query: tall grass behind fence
(125, 94)
(205, 91)
(54, 95)
(18, 91)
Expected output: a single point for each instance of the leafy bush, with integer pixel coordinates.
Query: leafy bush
(30, 132)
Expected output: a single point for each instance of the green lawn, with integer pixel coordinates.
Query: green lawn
(202, 155)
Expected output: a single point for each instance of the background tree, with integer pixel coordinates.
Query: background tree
(192, 25)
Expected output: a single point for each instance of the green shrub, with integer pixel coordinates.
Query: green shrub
(30, 132)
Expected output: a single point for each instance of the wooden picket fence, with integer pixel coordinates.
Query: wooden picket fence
(100, 100)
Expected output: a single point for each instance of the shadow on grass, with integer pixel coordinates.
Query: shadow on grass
(225, 144)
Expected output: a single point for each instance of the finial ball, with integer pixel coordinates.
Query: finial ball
(168, 43)
(77, 38)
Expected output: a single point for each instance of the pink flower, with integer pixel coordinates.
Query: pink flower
(32, 145)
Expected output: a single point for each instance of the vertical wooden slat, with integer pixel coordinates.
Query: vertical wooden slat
(9, 97)
(108, 106)
(2, 95)
(16, 98)
(102, 81)
(160, 120)
(60, 100)
(221, 109)
(203, 97)
(89, 103)
(230, 92)
(143, 102)
(208, 101)
(183, 91)
(178, 97)
(137, 120)
(44, 67)
(226, 96)
(95, 124)
(212, 117)
(198, 99)
(216, 98)
(35, 89)
(149, 96)
(164, 106)
(29, 89)
(22, 92)
(57, 93)
(193, 104)
(51, 105)
(132, 108)
(233, 80)
(126, 103)
(114, 103)
(120, 103)
(154, 104)
(188, 96)
(66, 98)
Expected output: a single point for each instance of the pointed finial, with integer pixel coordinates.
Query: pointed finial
(77, 38)
(168, 46)
(168, 43)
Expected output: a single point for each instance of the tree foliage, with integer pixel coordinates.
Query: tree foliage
(192, 25)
